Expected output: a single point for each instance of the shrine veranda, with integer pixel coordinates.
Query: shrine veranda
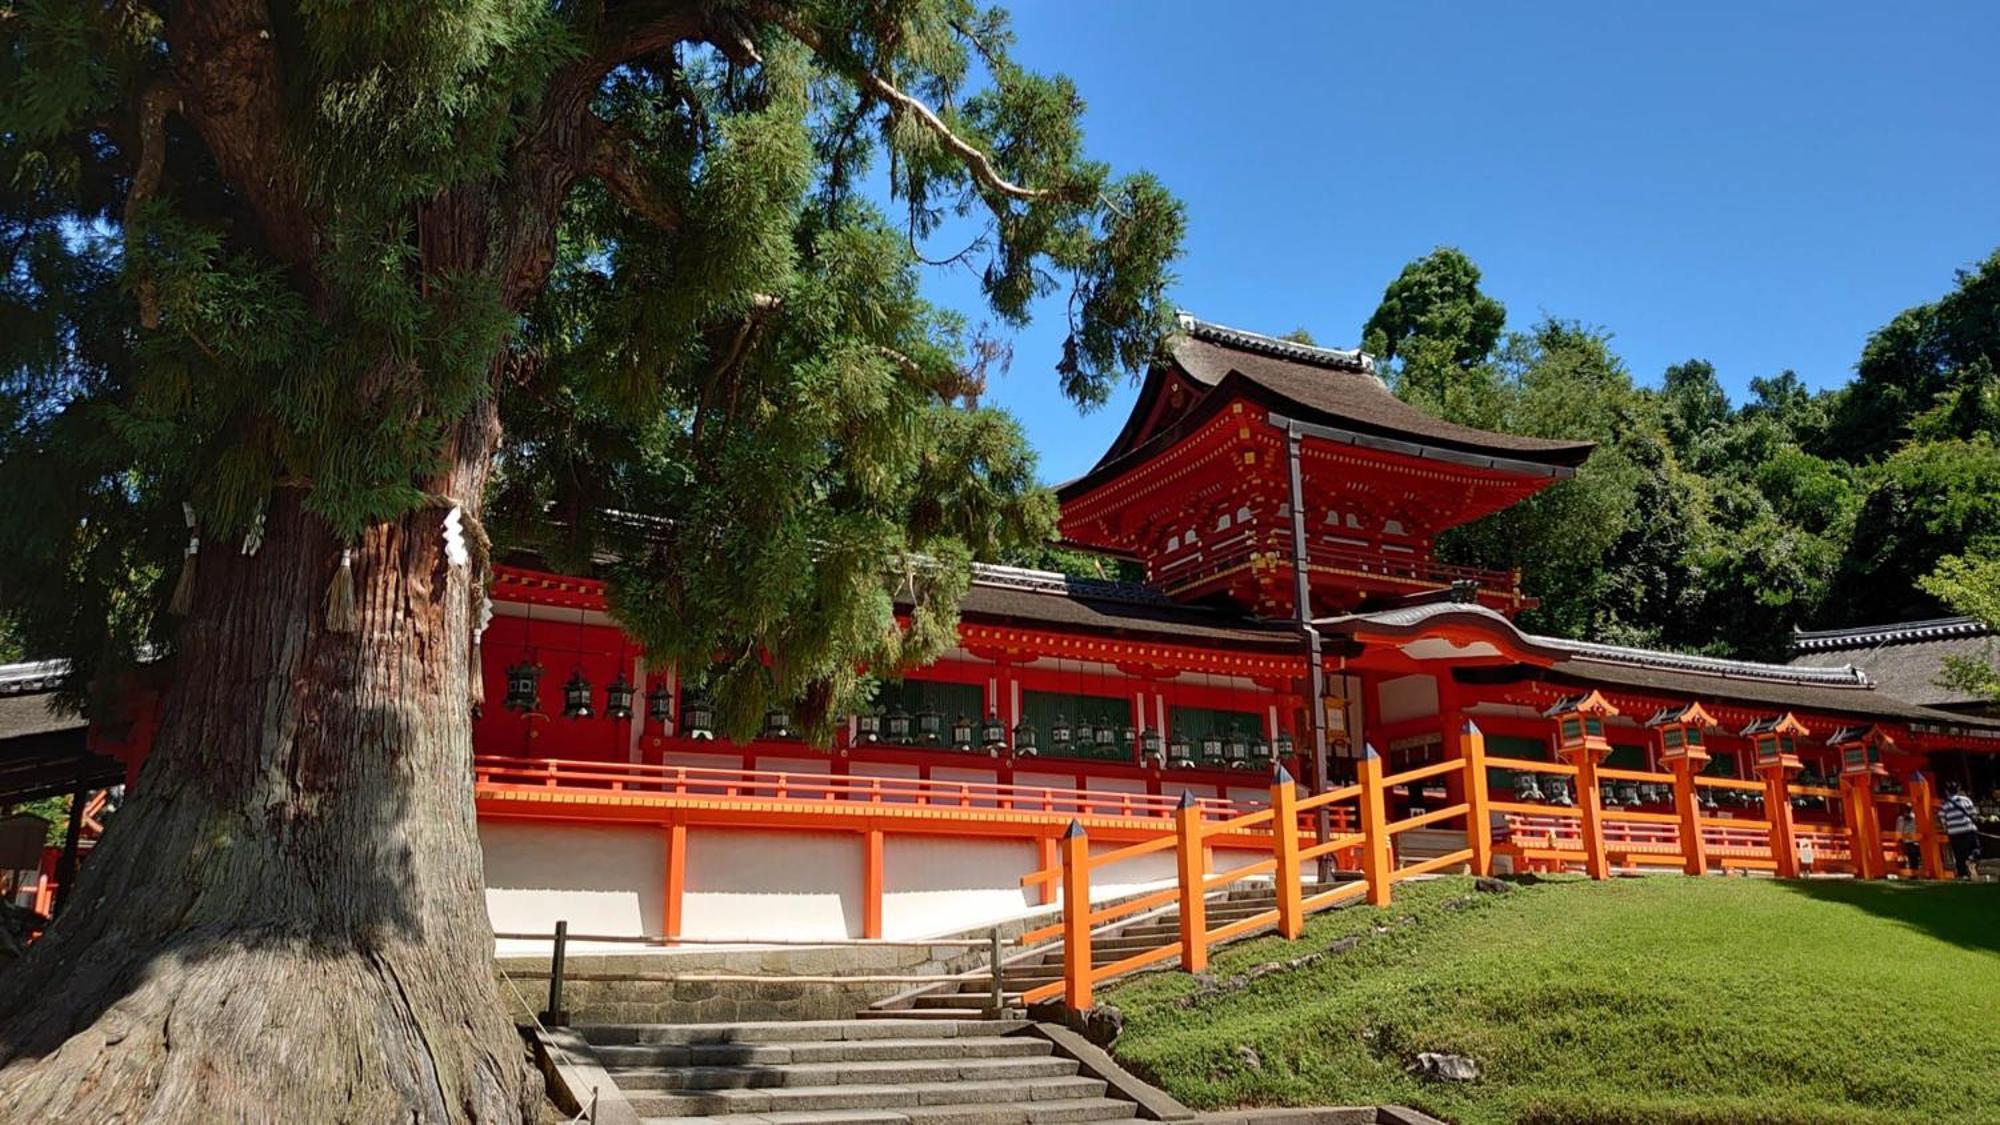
(1285, 508)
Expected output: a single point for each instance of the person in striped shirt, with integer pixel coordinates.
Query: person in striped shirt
(1955, 817)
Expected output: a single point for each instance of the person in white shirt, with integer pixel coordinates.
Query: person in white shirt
(1913, 849)
(1955, 816)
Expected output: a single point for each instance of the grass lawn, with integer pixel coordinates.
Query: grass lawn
(1636, 1000)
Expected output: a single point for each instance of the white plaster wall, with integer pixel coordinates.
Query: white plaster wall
(743, 883)
(948, 774)
(935, 885)
(603, 880)
(892, 770)
(1409, 697)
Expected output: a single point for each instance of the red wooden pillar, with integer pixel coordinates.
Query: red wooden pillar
(676, 889)
(871, 883)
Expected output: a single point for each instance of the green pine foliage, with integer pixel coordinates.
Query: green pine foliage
(711, 363)
(1713, 526)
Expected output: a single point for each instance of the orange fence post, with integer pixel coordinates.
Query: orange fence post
(1923, 806)
(1589, 802)
(1193, 873)
(1778, 810)
(1046, 860)
(871, 883)
(1478, 818)
(1076, 917)
(1376, 866)
(1285, 851)
(1687, 802)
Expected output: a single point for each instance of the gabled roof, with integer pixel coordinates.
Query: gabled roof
(1326, 387)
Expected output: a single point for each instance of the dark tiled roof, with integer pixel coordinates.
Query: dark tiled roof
(1905, 659)
(1345, 394)
(1852, 699)
(1054, 600)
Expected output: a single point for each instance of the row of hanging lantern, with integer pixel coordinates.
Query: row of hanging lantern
(579, 699)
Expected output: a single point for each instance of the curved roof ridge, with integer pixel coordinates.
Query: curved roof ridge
(1901, 632)
(1845, 675)
(1340, 359)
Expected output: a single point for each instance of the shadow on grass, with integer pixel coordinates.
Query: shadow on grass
(1965, 914)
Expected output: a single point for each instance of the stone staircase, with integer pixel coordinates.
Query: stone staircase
(849, 1072)
(970, 998)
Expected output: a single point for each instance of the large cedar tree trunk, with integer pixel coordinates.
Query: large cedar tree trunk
(285, 921)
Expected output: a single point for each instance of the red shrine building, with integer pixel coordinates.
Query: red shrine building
(1285, 508)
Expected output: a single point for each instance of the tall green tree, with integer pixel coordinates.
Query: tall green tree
(315, 276)
(1437, 328)
(1927, 351)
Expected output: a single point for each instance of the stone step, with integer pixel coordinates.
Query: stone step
(1047, 1112)
(967, 1014)
(889, 1025)
(1025, 1113)
(975, 998)
(898, 1072)
(856, 1095)
(837, 1050)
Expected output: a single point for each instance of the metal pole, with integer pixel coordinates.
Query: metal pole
(993, 948)
(1316, 675)
(555, 1016)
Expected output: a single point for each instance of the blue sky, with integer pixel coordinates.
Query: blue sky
(1757, 184)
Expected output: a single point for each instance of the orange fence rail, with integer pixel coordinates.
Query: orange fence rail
(495, 773)
(1590, 835)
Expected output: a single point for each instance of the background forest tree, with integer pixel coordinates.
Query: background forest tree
(1706, 525)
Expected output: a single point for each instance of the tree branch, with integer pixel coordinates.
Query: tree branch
(974, 158)
(614, 160)
(160, 98)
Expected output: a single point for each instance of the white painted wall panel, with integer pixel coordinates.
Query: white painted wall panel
(746, 883)
(936, 885)
(604, 880)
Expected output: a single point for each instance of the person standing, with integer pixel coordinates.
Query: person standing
(1955, 817)
(1913, 849)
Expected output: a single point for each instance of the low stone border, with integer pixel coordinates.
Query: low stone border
(574, 1079)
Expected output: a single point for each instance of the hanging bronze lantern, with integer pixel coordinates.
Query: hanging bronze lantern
(1106, 739)
(1024, 739)
(961, 732)
(777, 723)
(1211, 748)
(660, 705)
(700, 718)
(930, 726)
(899, 726)
(1284, 746)
(524, 681)
(1180, 752)
(1153, 745)
(1060, 733)
(868, 727)
(1237, 749)
(993, 732)
(1085, 735)
(618, 698)
(576, 695)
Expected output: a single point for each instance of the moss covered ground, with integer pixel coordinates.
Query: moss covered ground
(1636, 1000)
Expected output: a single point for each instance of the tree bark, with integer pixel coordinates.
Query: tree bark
(285, 922)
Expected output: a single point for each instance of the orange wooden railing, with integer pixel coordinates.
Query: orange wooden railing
(1590, 836)
(1367, 833)
(499, 774)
